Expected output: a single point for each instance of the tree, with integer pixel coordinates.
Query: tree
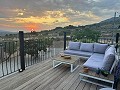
(10, 48)
(86, 33)
(33, 46)
(70, 27)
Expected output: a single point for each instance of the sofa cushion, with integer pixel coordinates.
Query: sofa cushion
(85, 54)
(108, 59)
(86, 47)
(100, 48)
(74, 45)
(94, 62)
(80, 53)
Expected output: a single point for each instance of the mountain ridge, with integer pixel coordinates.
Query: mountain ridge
(4, 32)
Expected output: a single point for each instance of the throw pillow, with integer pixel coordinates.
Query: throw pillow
(108, 61)
(109, 58)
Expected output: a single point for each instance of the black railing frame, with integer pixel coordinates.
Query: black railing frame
(64, 40)
(117, 39)
(22, 59)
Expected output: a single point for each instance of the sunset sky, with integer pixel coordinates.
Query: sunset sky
(37, 15)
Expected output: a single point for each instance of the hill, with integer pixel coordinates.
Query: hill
(106, 28)
(111, 22)
(3, 32)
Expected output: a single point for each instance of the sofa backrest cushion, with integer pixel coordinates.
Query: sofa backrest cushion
(86, 47)
(74, 45)
(110, 49)
(108, 59)
(100, 48)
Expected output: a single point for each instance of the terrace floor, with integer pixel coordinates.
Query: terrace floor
(42, 76)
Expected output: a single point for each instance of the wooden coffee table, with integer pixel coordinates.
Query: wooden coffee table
(73, 62)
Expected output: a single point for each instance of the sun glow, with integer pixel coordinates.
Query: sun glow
(32, 27)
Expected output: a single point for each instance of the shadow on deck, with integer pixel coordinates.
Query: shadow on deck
(42, 76)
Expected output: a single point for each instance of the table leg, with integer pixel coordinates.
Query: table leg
(55, 65)
(73, 68)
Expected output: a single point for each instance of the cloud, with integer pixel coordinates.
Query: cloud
(10, 26)
(81, 16)
(52, 13)
(49, 18)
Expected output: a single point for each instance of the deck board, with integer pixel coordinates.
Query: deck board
(31, 70)
(81, 85)
(54, 81)
(87, 86)
(43, 76)
(93, 87)
(75, 84)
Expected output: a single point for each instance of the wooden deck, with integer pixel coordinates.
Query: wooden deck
(42, 76)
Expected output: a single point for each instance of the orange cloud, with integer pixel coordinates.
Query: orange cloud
(49, 18)
(43, 20)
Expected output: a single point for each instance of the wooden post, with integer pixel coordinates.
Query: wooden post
(22, 60)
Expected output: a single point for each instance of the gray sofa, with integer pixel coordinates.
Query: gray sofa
(100, 56)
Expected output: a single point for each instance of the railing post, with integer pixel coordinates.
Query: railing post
(117, 39)
(22, 60)
(64, 40)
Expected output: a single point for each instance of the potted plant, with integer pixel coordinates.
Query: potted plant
(104, 73)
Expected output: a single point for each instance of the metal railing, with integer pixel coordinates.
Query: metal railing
(17, 54)
(88, 40)
(23, 51)
(9, 57)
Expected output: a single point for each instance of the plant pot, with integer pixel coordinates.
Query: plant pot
(85, 70)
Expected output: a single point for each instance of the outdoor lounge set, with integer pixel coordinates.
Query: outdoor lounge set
(99, 56)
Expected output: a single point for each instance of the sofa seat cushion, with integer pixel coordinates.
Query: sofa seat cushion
(108, 59)
(80, 53)
(94, 62)
(86, 54)
(88, 47)
(74, 45)
(100, 48)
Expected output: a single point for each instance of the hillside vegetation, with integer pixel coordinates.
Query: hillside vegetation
(105, 28)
